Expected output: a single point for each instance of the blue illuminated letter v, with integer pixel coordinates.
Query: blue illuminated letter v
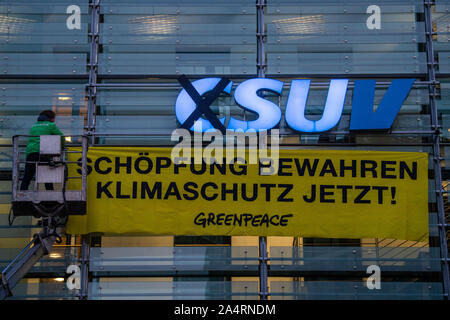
(364, 118)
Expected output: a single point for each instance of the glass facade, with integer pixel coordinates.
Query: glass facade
(110, 67)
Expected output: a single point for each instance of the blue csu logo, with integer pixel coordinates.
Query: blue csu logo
(190, 105)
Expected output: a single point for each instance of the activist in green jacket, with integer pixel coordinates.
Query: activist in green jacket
(44, 126)
(40, 128)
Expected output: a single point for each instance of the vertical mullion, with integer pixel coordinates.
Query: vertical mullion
(260, 34)
(431, 77)
(93, 65)
(260, 65)
(84, 269)
(92, 97)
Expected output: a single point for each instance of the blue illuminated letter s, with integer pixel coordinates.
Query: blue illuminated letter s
(246, 95)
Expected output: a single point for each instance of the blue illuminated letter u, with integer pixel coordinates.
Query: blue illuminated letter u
(296, 105)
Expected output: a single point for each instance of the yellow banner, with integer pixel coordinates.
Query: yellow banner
(314, 193)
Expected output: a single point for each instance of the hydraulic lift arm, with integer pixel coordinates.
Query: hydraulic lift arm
(32, 253)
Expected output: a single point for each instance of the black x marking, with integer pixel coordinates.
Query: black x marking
(203, 103)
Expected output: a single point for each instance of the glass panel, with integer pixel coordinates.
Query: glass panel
(173, 290)
(444, 62)
(56, 262)
(6, 154)
(446, 127)
(443, 105)
(441, 25)
(172, 259)
(173, 37)
(16, 232)
(145, 101)
(346, 6)
(403, 122)
(41, 38)
(354, 290)
(177, 63)
(304, 37)
(14, 125)
(43, 63)
(355, 258)
(19, 222)
(345, 63)
(31, 98)
(44, 291)
(133, 124)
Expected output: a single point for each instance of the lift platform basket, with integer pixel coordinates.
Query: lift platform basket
(53, 170)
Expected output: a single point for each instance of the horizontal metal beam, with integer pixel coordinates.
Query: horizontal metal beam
(253, 272)
(174, 85)
(168, 133)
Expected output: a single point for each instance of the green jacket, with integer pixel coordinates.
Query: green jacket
(41, 128)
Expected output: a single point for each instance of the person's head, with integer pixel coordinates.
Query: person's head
(47, 115)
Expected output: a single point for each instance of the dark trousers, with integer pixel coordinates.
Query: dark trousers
(30, 170)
